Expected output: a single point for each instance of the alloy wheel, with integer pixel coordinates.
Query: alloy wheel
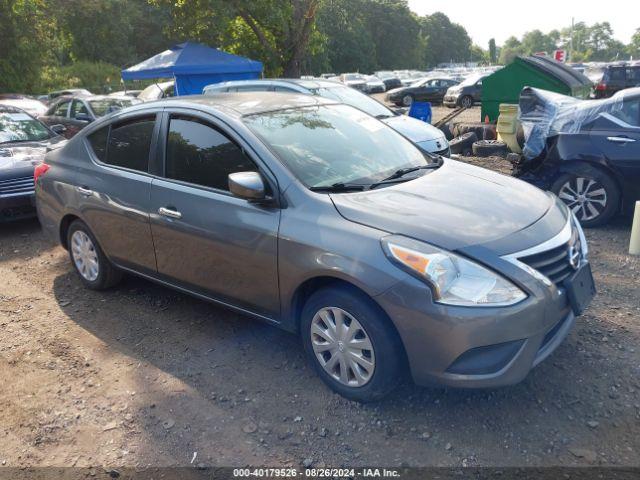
(342, 347)
(467, 102)
(587, 198)
(85, 256)
(407, 100)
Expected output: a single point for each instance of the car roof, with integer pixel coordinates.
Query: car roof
(241, 103)
(304, 83)
(10, 109)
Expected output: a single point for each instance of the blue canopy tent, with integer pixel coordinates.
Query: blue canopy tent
(194, 66)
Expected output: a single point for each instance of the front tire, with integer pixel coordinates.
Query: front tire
(407, 100)
(350, 343)
(466, 101)
(590, 193)
(94, 268)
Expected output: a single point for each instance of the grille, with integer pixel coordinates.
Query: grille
(553, 264)
(16, 186)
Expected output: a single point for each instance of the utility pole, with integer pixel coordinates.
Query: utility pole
(571, 41)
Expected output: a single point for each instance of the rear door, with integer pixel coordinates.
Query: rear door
(115, 188)
(206, 239)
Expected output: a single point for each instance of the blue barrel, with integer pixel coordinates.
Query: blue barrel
(421, 111)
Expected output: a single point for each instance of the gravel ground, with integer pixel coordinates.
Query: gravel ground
(142, 375)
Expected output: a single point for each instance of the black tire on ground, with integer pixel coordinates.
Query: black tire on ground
(463, 144)
(606, 205)
(446, 129)
(108, 275)
(466, 101)
(483, 131)
(388, 352)
(490, 148)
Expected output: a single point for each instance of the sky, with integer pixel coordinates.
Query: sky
(500, 19)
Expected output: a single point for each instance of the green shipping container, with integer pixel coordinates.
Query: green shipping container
(504, 85)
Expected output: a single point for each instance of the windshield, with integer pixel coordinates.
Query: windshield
(332, 144)
(108, 105)
(352, 97)
(20, 127)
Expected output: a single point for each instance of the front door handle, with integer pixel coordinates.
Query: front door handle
(85, 191)
(621, 139)
(169, 212)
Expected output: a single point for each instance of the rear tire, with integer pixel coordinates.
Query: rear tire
(93, 267)
(407, 100)
(339, 325)
(590, 193)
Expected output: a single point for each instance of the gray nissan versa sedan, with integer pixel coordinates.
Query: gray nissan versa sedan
(320, 219)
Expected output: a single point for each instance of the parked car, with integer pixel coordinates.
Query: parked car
(327, 75)
(157, 91)
(321, 220)
(465, 94)
(77, 112)
(425, 90)
(70, 91)
(24, 102)
(389, 79)
(354, 80)
(23, 142)
(427, 137)
(374, 84)
(585, 151)
(409, 77)
(609, 79)
(126, 93)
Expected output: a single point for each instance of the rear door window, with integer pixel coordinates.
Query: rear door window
(61, 109)
(129, 144)
(200, 154)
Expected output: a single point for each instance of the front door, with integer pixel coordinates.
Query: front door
(206, 239)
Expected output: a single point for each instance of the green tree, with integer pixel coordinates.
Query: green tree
(511, 48)
(278, 32)
(634, 47)
(445, 41)
(493, 52)
(536, 41)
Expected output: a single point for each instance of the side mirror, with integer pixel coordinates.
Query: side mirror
(247, 185)
(83, 117)
(58, 128)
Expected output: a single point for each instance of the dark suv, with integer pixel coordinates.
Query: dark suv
(609, 79)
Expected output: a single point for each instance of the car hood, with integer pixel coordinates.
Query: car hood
(453, 207)
(415, 130)
(19, 155)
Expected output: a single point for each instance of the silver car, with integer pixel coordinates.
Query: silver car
(320, 219)
(426, 136)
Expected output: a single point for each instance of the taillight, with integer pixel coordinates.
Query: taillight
(40, 169)
(601, 86)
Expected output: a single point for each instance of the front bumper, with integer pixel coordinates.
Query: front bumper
(16, 207)
(475, 347)
(451, 100)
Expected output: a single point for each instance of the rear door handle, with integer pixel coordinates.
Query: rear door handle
(169, 212)
(621, 139)
(85, 191)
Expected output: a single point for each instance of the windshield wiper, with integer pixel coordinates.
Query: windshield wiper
(339, 187)
(398, 174)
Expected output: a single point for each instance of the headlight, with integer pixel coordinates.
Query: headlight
(584, 248)
(453, 279)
